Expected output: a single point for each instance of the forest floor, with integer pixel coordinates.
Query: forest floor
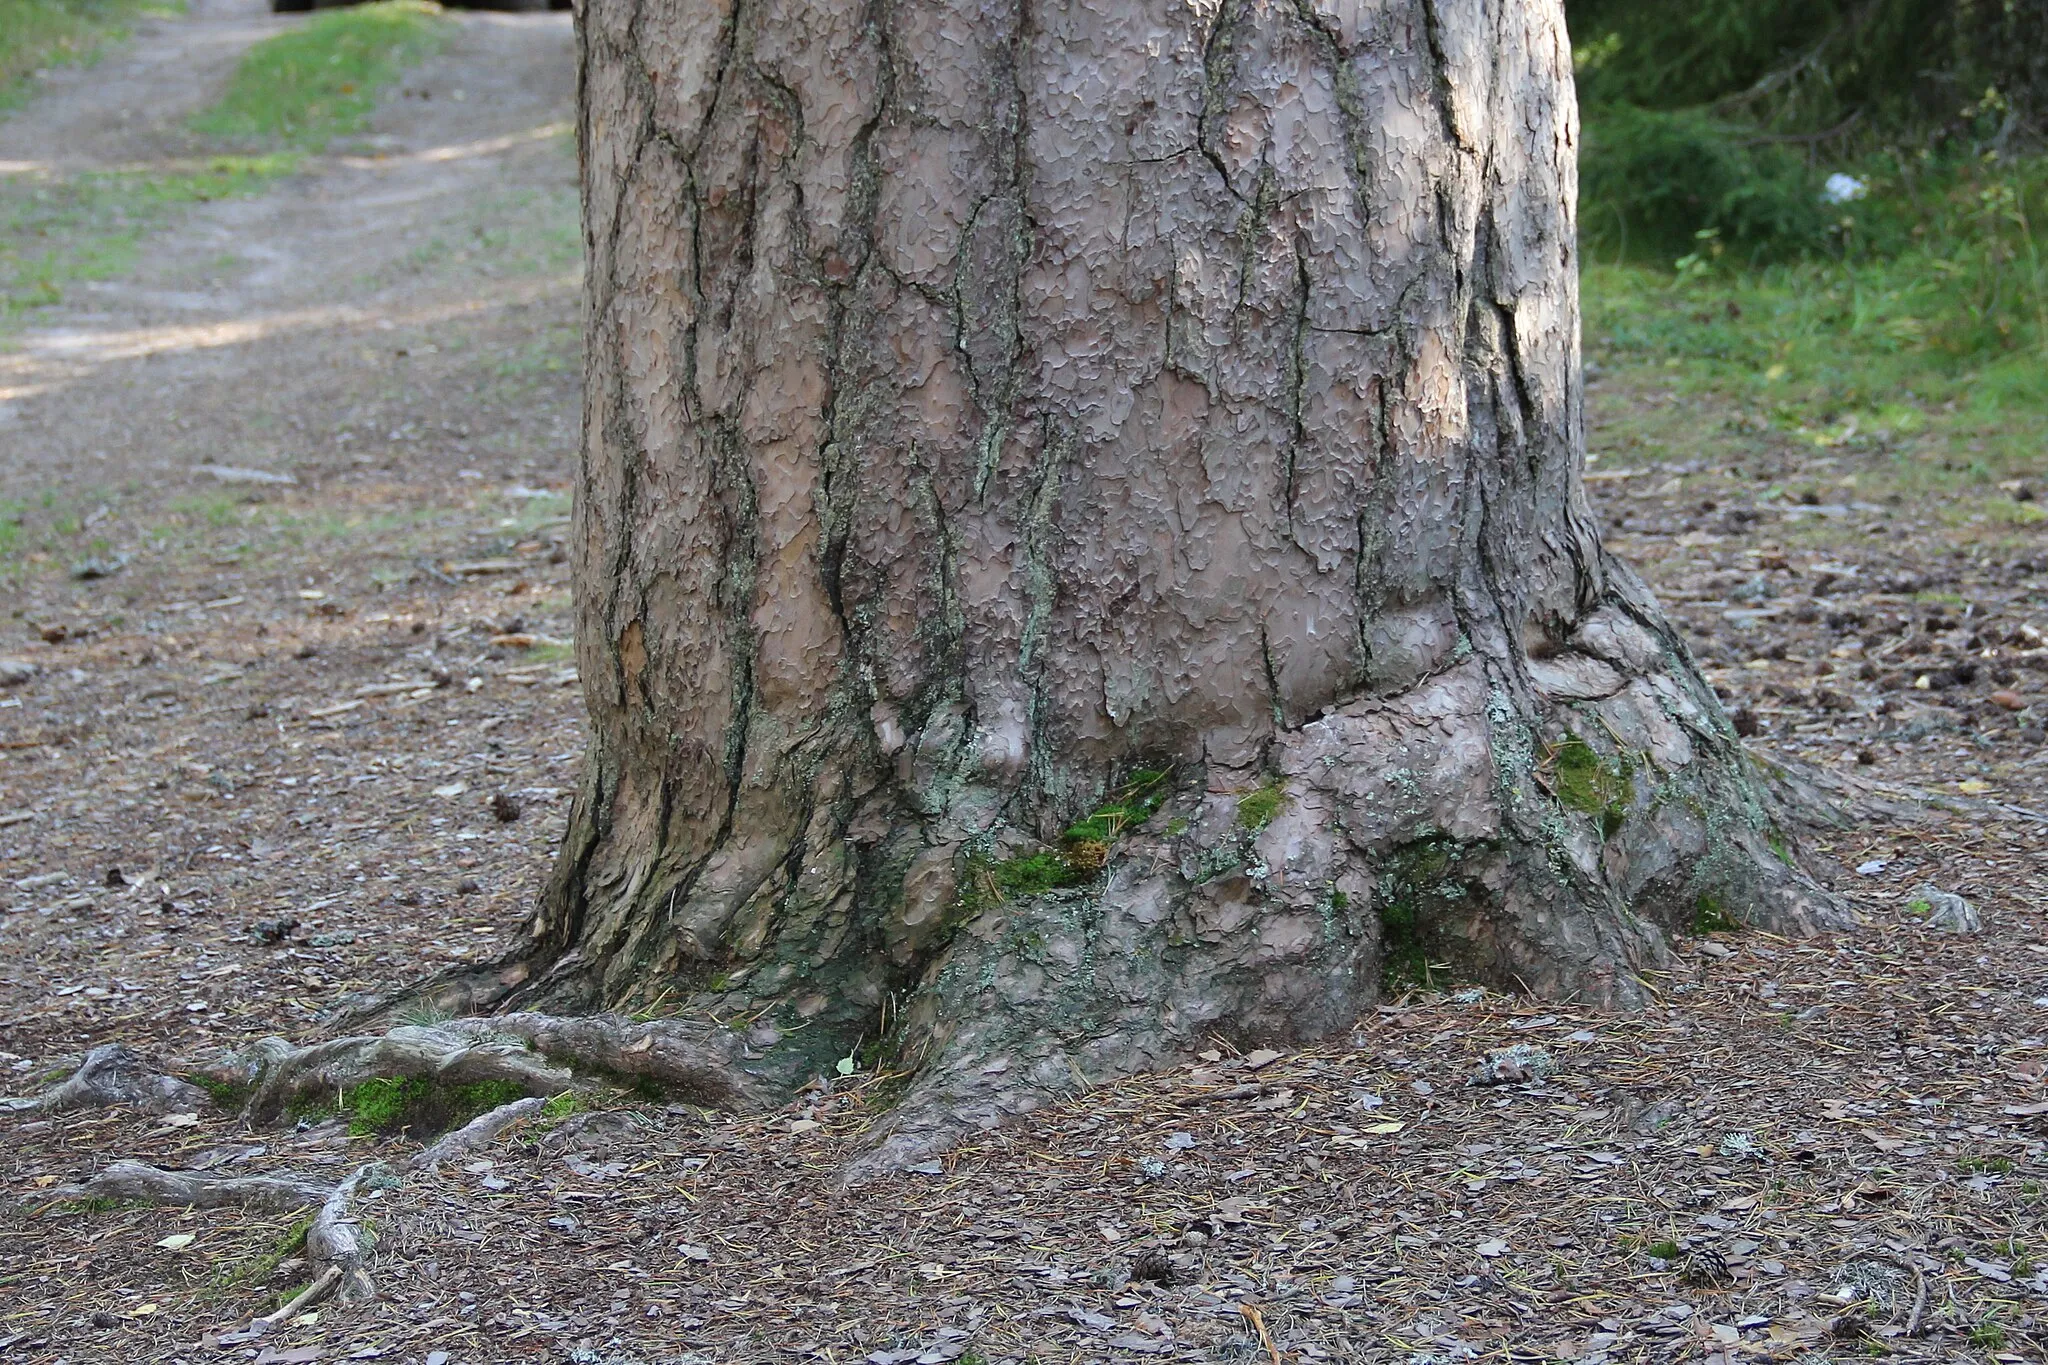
(254, 768)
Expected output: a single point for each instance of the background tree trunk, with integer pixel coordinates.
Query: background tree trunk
(990, 404)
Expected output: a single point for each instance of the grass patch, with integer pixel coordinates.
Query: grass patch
(36, 34)
(57, 232)
(319, 80)
(1925, 355)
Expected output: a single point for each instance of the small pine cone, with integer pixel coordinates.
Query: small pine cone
(1150, 1263)
(1705, 1266)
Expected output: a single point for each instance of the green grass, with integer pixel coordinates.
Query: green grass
(1930, 347)
(35, 34)
(57, 232)
(319, 80)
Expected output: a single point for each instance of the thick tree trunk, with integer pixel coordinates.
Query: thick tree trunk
(993, 403)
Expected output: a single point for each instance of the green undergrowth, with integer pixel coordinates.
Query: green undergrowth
(57, 232)
(1925, 356)
(320, 80)
(38, 34)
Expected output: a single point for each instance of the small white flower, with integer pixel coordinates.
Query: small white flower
(1843, 189)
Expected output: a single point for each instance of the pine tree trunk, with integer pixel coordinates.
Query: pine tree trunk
(1000, 414)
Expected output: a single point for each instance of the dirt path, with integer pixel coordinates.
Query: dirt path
(391, 328)
(130, 107)
(251, 774)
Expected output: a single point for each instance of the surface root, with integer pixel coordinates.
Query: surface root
(140, 1182)
(480, 1130)
(114, 1074)
(536, 1055)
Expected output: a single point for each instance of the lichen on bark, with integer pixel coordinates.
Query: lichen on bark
(989, 403)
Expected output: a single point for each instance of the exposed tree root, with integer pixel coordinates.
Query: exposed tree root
(336, 1240)
(113, 1074)
(698, 1061)
(336, 1246)
(143, 1183)
(536, 1055)
(478, 1131)
(282, 1077)
(323, 1284)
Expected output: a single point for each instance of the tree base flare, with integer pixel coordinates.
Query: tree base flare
(1546, 823)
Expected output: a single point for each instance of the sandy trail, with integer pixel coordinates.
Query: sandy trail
(267, 312)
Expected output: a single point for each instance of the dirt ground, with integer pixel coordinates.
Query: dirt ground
(253, 771)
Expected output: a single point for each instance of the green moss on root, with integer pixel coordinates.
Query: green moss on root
(226, 1094)
(398, 1104)
(1586, 782)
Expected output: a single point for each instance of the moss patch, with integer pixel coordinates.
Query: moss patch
(1710, 917)
(563, 1105)
(411, 1104)
(1585, 781)
(1082, 854)
(226, 1094)
(1129, 806)
(1419, 884)
(1258, 809)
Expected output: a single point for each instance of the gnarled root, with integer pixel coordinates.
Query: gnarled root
(281, 1076)
(114, 1074)
(335, 1239)
(698, 1061)
(143, 1183)
(536, 1054)
(336, 1245)
(478, 1131)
